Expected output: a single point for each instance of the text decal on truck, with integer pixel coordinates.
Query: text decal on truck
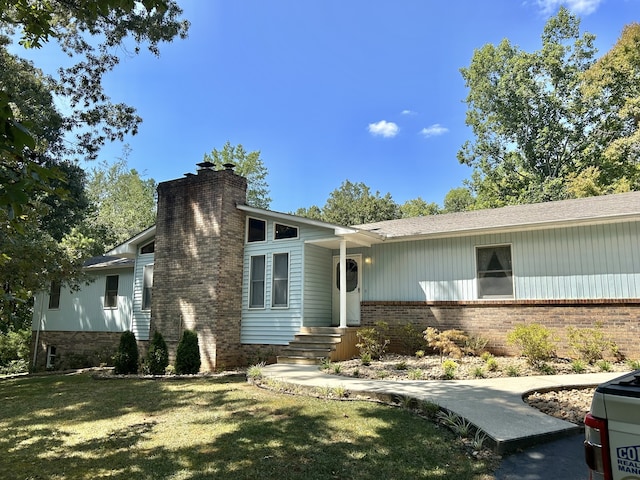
(629, 460)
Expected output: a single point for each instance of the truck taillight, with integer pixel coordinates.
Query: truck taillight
(596, 448)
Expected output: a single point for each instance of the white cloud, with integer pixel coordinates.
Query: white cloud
(384, 129)
(579, 7)
(408, 112)
(434, 130)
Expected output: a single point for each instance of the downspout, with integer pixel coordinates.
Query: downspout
(35, 344)
(343, 283)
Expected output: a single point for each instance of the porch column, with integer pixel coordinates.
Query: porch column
(343, 283)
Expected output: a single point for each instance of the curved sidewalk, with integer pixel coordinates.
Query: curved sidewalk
(495, 406)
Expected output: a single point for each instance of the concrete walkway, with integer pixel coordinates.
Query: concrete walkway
(495, 405)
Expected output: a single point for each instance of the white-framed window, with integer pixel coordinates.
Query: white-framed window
(148, 248)
(111, 291)
(54, 295)
(256, 230)
(257, 281)
(51, 356)
(147, 286)
(284, 232)
(280, 281)
(494, 271)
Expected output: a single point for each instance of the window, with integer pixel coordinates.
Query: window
(51, 356)
(256, 282)
(148, 248)
(111, 292)
(147, 284)
(280, 289)
(352, 275)
(495, 276)
(256, 230)
(54, 295)
(283, 232)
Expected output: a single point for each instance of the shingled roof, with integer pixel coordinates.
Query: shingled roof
(581, 211)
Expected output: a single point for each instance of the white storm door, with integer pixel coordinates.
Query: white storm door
(353, 289)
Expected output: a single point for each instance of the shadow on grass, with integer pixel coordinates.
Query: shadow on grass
(212, 428)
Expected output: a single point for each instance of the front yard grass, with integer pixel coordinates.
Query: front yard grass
(76, 427)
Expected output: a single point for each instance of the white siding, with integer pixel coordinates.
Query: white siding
(277, 326)
(83, 311)
(601, 261)
(141, 323)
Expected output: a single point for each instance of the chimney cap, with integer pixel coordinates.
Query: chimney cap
(206, 165)
(229, 166)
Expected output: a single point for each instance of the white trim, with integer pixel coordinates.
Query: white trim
(246, 232)
(285, 239)
(264, 283)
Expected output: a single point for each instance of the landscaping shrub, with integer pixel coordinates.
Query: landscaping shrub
(126, 358)
(188, 354)
(535, 342)
(448, 342)
(449, 368)
(373, 341)
(411, 339)
(158, 355)
(475, 345)
(589, 344)
(14, 346)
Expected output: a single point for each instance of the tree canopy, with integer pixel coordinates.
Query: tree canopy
(536, 130)
(250, 166)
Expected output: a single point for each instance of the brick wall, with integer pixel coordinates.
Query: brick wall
(493, 320)
(77, 349)
(198, 264)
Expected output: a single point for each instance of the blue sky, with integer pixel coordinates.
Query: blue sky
(365, 90)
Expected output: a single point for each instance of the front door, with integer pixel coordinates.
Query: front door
(354, 279)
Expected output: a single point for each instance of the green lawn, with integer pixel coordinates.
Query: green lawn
(76, 427)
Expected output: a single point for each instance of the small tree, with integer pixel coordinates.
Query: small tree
(448, 342)
(188, 354)
(158, 355)
(126, 359)
(373, 342)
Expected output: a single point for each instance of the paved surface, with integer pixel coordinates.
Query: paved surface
(493, 405)
(558, 459)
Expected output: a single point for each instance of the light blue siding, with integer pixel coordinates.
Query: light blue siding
(141, 319)
(317, 286)
(600, 261)
(277, 326)
(83, 311)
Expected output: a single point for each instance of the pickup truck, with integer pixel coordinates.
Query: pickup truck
(612, 430)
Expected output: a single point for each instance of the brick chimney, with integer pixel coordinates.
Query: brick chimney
(198, 262)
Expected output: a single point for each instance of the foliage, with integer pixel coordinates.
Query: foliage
(532, 125)
(254, 372)
(578, 366)
(415, 374)
(512, 371)
(188, 354)
(545, 368)
(157, 355)
(89, 34)
(124, 203)
(535, 342)
(605, 365)
(612, 85)
(478, 372)
(417, 207)
(354, 204)
(126, 358)
(14, 346)
(589, 344)
(449, 368)
(447, 342)
(250, 166)
(458, 200)
(373, 341)
(365, 358)
(411, 339)
(492, 364)
(475, 344)
(634, 364)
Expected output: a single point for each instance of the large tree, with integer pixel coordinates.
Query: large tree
(417, 207)
(92, 33)
(528, 114)
(354, 204)
(123, 203)
(250, 166)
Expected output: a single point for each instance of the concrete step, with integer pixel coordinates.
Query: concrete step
(322, 330)
(296, 360)
(318, 338)
(292, 351)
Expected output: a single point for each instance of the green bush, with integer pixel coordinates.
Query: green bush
(372, 341)
(589, 344)
(447, 342)
(188, 354)
(14, 346)
(449, 368)
(158, 355)
(126, 358)
(411, 339)
(535, 342)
